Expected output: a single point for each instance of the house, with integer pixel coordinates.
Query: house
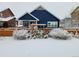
(46, 18)
(66, 23)
(40, 17)
(7, 18)
(72, 22)
(75, 17)
(26, 20)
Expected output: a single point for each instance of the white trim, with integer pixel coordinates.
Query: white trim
(33, 16)
(3, 9)
(39, 24)
(6, 19)
(30, 15)
(27, 20)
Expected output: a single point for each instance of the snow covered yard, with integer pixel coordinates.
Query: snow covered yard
(38, 47)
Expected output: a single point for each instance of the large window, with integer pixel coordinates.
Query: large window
(52, 24)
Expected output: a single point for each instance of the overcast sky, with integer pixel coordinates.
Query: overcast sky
(60, 10)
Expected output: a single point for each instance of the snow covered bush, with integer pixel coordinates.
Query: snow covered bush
(46, 36)
(22, 34)
(59, 34)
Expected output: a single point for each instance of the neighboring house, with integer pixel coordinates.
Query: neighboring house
(66, 23)
(75, 17)
(45, 17)
(7, 18)
(26, 20)
(72, 22)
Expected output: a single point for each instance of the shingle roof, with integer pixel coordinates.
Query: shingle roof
(43, 14)
(7, 9)
(40, 8)
(28, 16)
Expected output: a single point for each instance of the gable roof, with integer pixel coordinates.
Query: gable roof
(42, 14)
(40, 8)
(6, 15)
(77, 8)
(28, 16)
(7, 10)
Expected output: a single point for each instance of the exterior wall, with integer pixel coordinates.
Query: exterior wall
(75, 23)
(75, 17)
(21, 23)
(8, 13)
(46, 22)
(62, 22)
(44, 16)
(12, 23)
(70, 23)
(75, 13)
(66, 23)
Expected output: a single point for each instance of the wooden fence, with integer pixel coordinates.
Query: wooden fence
(6, 31)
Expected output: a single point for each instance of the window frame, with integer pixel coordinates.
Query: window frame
(53, 24)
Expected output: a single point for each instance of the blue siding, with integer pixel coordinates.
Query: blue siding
(44, 16)
(27, 17)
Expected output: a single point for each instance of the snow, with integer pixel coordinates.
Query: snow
(38, 47)
(6, 19)
(21, 34)
(60, 33)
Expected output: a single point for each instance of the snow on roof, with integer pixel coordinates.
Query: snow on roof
(3, 9)
(40, 8)
(6, 19)
(28, 16)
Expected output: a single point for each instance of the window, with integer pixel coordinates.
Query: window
(1, 14)
(1, 24)
(26, 23)
(52, 24)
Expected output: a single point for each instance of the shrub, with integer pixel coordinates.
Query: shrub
(59, 34)
(21, 34)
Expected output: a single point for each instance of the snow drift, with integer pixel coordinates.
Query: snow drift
(22, 34)
(39, 48)
(59, 34)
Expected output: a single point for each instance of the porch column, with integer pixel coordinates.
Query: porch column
(29, 24)
(36, 26)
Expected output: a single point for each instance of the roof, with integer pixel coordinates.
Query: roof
(7, 9)
(40, 8)
(42, 14)
(28, 16)
(77, 8)
(6, 19)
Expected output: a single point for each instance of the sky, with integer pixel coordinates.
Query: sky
(59, 9)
